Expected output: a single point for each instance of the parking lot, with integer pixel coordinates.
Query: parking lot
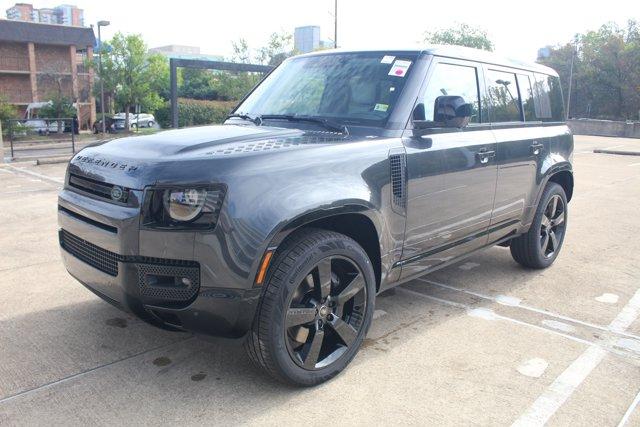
(481, 342)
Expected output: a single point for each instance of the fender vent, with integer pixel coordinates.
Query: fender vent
(398, 163)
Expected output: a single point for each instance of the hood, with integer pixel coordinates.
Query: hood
(135, 160)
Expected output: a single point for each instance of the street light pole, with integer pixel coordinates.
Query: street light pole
(101, 24)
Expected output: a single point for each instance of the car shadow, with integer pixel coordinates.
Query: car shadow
(91, 354)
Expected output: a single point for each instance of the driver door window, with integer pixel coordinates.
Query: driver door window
(453, 80)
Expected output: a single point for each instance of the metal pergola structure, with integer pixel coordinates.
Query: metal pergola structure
(174, 63)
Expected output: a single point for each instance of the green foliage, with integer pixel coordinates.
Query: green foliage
(195, 112)
(233, 87)
(131, 76)
(460, 35)
(278, 48)
(158, 74)
(198, 84)
(606, 72)
(59, 107)
(7, 111)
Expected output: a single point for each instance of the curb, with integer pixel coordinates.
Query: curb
(618, 152)
(52, 161)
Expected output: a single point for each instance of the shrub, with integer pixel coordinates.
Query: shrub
(193, 112)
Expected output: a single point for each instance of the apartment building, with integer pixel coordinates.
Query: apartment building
(38, 61)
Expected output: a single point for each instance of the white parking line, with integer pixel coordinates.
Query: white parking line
(514, 302)
(489, 314)
(36, 174)
(562, 388)
(634, 164)
(627, 414)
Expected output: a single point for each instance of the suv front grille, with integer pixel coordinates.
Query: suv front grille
(159, 279)
(102, 259)
(103, 190)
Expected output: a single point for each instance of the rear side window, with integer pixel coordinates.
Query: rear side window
(526, 94)
(453, 80)
(502, 90)
(549, 106)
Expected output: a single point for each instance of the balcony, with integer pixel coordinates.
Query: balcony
(17, 96)
(14, 64)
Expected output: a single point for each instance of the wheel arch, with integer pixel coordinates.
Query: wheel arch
(357, 221)
(564, 178)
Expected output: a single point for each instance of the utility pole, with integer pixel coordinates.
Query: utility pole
(335, 24)
(101, 24)
(573, 55)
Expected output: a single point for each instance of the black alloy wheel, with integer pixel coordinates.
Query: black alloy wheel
(552, 226)
(316, 308)
(325, 313)
(540, 245)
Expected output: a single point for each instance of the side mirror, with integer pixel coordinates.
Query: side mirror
(453, 111)
(418, 117)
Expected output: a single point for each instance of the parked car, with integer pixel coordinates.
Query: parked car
(342, 175)
(41, 126)
(135, 120)
(143, 120)
(109, 128)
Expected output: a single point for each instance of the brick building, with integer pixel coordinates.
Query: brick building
(38, 61)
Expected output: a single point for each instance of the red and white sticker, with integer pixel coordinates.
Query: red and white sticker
(399, 68)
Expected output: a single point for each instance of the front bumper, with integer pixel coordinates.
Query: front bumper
(158, 276)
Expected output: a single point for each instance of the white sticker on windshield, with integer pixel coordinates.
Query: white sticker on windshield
(387, 59)
(399, 68)
(381, 107)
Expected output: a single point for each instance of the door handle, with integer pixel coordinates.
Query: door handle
(484, 155)
(536, 148)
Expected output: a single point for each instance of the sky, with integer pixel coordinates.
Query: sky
(518, 29)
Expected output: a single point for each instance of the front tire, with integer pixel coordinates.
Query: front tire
(316, 308)
(539, 247)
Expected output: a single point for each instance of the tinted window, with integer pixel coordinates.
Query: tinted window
(502, 91)
(355, 88)
(526, 94)
(453, 80)
(549, 106)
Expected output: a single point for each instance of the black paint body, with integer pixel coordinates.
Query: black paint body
(281, 178)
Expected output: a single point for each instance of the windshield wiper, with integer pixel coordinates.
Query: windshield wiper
(256, 120)
(327, 124)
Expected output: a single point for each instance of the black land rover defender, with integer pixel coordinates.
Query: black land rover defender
(341, 175)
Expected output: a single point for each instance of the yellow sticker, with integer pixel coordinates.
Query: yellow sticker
(381, 107)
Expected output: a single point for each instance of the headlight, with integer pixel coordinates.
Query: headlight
(184, 205)
(188, 207)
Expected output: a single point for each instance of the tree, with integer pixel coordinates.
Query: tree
(198, 84)
(158, 74)
(59, 106)
(131, 76)
(278, 48)
(241, 52)
(606, 71)
(460, 35)
(7, 111)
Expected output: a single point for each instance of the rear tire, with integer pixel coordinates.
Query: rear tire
(315, 310)
(540, 246)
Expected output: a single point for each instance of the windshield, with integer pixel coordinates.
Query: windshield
(350, 88)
